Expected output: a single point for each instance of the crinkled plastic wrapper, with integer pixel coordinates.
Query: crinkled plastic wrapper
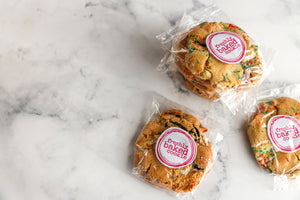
(164, 115)
(204, 73)
(274, 134)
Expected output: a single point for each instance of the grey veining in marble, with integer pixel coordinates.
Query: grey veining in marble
(73, 77)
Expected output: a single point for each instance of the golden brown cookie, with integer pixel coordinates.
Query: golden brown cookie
(202, 89)
(197, 64)
(182, 179)
(266, 154)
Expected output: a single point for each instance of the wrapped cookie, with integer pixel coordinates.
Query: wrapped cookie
(274, 133)
(174, 149)
(216, 58)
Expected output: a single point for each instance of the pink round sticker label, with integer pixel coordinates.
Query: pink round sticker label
(175, 148)
(226, 46)
(284, 133)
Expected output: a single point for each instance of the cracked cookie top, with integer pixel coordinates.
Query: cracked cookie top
(266, 154)
(182, 179)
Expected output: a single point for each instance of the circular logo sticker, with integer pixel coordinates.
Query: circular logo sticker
(226, 46)
(175, 148)
(284, 133)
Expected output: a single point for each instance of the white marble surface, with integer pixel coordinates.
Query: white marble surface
(72, 81)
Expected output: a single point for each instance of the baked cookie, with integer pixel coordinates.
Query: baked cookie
(201, 89)
(183, 179)
(271, 159)
(198, 65)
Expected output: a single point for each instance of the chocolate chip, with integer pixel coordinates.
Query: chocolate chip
(197, 132)
(195, 166)
(179, 125)
(179, 116)
(147, 170)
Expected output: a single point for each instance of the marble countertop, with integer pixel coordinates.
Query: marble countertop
(73, 76)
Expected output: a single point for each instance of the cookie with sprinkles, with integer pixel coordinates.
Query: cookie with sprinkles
(199, 64)
(165, 142)
(269, 150)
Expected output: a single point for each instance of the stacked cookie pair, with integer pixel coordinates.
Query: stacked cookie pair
(204, 72)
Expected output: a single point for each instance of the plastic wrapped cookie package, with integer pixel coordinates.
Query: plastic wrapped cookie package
(217, 58)
(175, 151)
(274, 134)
